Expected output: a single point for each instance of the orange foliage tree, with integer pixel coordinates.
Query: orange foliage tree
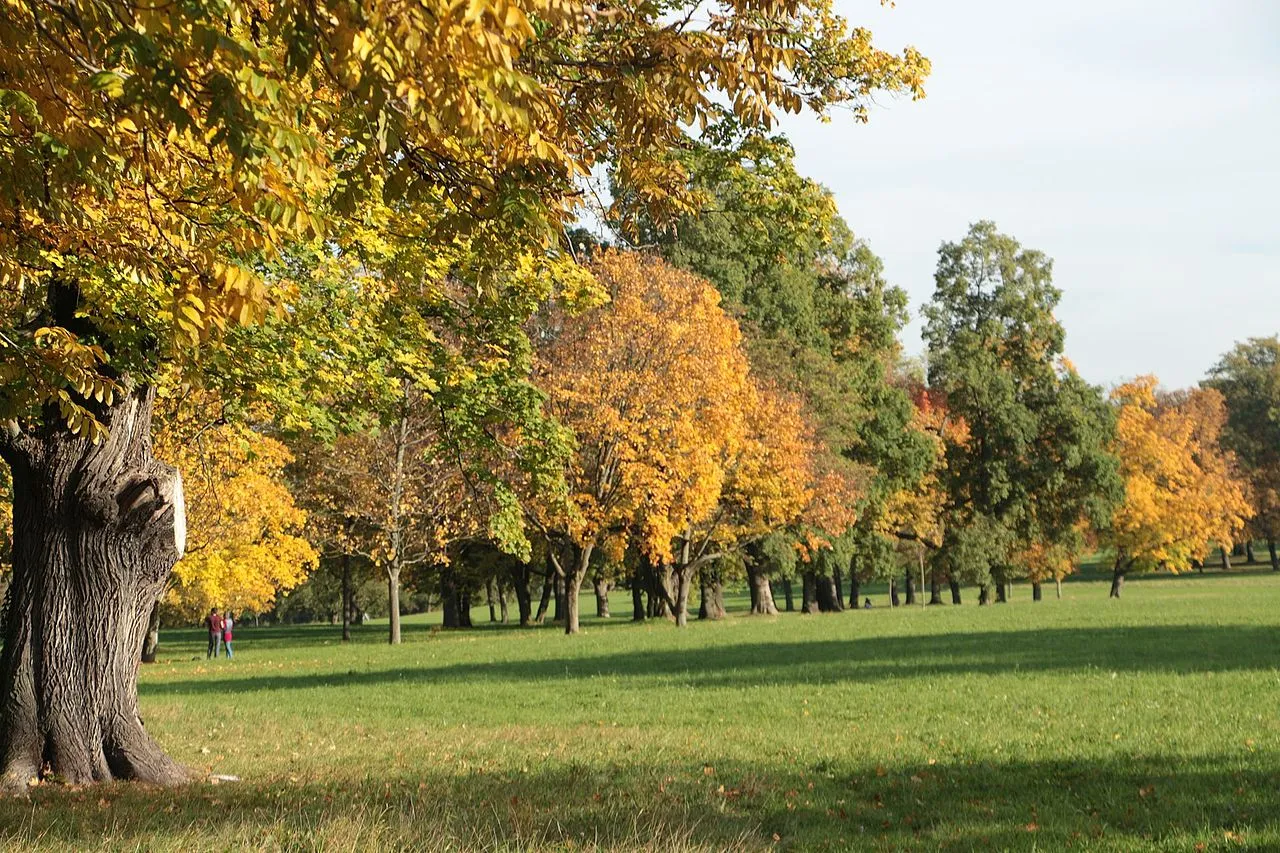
(654, 386)
(1181, 492)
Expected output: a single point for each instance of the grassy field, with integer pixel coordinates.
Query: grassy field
(1145, 724)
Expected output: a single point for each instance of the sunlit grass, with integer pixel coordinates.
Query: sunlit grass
(1148, 723)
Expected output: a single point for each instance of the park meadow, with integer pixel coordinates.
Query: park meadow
(1076, 724)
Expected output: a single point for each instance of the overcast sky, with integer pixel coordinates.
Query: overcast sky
(1136, 142)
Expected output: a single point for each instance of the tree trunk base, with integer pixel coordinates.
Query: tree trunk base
(96, 531)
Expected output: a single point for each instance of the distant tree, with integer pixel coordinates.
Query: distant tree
(1036, 457)
(1181, 493)
(1248, 377)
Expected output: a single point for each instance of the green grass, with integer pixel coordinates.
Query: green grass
(1085, 724)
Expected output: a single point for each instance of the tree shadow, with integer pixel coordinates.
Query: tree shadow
(1177, 649)
(1127, 803)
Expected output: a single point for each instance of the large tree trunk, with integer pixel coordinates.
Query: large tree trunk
(1002, 592)
(712, 606)
(450, 611)
(855, 591)
(346, 598)
(1117, 582)
(935, 590)
(984, 594)
(909, 586)
(602, 597)
(828, 597)
(96, 531)
(1036, 593)
(955, 590)
(152, 640)
(1226, 558)
(809, 591)
(761, 593)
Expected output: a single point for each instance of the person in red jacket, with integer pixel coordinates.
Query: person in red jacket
(214, 623)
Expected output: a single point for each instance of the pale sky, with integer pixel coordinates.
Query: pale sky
(1133, 141)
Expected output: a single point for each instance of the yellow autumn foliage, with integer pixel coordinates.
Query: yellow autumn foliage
(1181, 494)
(244, 540)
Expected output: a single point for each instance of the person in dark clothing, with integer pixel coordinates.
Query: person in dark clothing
(214, 623)
(866, 605)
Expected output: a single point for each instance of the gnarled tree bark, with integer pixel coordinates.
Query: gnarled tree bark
(761, 592)
(97, 529)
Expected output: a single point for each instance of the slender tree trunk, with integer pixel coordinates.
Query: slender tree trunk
(637, 596)
(464, 608)
(575, 571)
(1248, 552)
(96, 531)
(489, 596)
(548, 583)
(559, 615)
(761, 593)
(788, 595)
(683, 578)
(1036, 593)
(955, 590)
(601, 587)
(1275, 557)
(346, 598)
(502, 604)
(909, 586)
(837, 578)
(984, 595)
(1057, 582)
(935, 590)
(1226, 558)
(855, 591)
(393, 604)
(152, 640)
(893, 592)
(1117, 582)
(520, 576)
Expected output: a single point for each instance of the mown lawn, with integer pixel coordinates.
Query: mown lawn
(1151, 723)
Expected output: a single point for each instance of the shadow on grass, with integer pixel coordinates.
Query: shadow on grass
(1130, 803)
(1167, 649)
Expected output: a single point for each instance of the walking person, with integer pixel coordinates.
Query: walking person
(214, 623)
(227, 623)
